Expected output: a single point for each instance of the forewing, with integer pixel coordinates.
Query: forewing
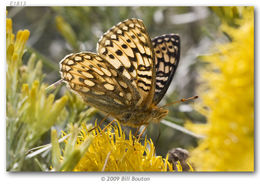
(167, 55)
(127, 47)
(98, 82)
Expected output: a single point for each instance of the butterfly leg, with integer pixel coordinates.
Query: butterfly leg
(109, 125)
(140, 135)
(136, 132)
(100, 123)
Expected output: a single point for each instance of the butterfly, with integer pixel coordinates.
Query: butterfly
(129, 74)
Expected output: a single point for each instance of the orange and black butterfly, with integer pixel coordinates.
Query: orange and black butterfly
(129, 74)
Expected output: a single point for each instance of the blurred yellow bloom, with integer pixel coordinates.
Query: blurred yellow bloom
(228, 95)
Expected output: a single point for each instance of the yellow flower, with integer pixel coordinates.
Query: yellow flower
(37, 106)
(30, 111)
(14, 51)
(110, 150)
(228, 95)
(15, 48)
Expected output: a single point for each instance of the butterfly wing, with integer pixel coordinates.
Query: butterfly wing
(120, 79)
(98, 83)
(127, 47)
(167, 55)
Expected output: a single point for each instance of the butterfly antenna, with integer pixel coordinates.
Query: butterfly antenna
(54, 85)
(181, 100)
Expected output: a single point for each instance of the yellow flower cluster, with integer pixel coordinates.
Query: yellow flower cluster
(14, 46)
(27, 102)
(228, 96)
(14, 51)
(111, 151)
(33, 109)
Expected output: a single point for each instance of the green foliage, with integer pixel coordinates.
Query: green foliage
(73, 151)
(67, 32)
(228, 14)
(39, 111)
(31, 112)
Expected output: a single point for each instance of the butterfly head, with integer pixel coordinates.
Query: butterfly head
(158, 113)
(142, 117)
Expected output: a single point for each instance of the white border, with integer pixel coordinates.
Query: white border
(136, 3)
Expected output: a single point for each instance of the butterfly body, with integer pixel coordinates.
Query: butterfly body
(139, 116)
(128, 75)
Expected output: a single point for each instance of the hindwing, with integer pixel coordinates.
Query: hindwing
(167, 55)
